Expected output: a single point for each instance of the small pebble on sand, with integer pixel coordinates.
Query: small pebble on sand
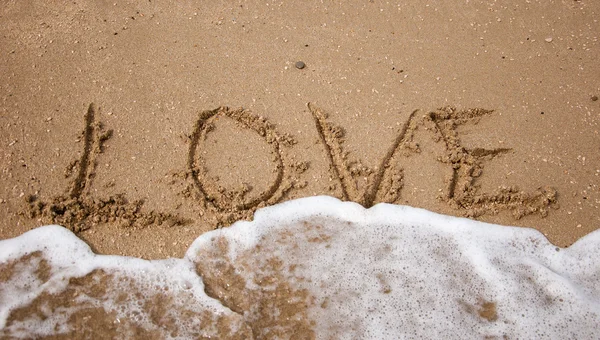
(549, 39)
(300, 65)
(594, 98)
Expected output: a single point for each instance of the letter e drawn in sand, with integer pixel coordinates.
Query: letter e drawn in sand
(467, 165)
(231, 205)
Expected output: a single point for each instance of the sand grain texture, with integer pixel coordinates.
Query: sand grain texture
(151, 69)
(141, 126)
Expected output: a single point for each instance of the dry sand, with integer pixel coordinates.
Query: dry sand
(153, 159)
(200, 114)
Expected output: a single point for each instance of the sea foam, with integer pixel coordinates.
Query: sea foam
(311, 268)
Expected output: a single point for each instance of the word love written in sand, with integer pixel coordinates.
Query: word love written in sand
(383, 183)
(79, 208)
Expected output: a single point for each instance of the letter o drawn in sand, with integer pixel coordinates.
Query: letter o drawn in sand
(233, 202)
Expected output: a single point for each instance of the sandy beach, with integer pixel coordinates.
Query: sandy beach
(141, 126)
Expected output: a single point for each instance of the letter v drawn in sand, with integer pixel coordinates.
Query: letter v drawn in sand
(384, 183)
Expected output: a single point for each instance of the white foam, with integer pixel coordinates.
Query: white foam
(387, 272)
(69, 257)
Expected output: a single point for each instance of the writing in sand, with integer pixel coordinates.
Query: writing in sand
(79, 208)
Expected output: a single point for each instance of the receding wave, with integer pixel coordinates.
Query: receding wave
(310, 268)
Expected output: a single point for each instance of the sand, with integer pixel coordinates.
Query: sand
(141, 126)
(152, 69)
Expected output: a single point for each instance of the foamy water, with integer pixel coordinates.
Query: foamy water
(310, 268)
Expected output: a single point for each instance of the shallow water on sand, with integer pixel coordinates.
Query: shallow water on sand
(310, 268)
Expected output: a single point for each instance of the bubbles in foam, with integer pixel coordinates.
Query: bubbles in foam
(83, 293)
(393, 271)
(313, 267)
